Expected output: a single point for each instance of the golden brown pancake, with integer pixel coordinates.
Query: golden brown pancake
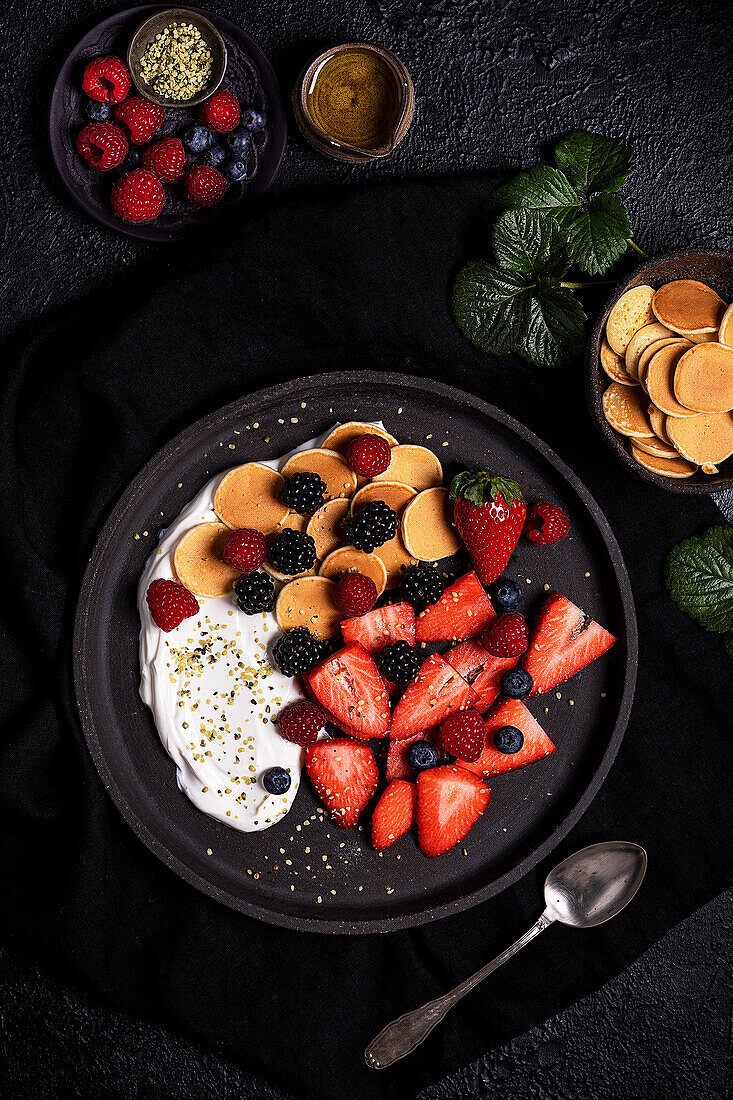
(705, 439)
(657, 419)
(667, 467)
(309, 602)
(703, 380)
(427, 526)
(688, 306)
(294, 522)
(326, 526)
(413, 465)
(198, 561)
(342, 434)
(656, 447)
(625, 410)
(330, 466)
(638, 344)
(613, 365)
(725, 332)
(646, 356)
(630, 313)
(347, 559)
(394, 494)
(659, 381)
(396, 559)
(249, 496)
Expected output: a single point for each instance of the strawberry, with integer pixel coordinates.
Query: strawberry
(106, 80)
(450, 800)
(394, 814)
(489, 512)
(535, 746)
(329, 715)
(350, 686)
(437, 691)
(507, 636)
(221, 112)
(204, 185)
(141, 117)
(564, 641)
(483, 672)
(102, 145)
(355, 594)
(368, 455)
(397, 766)
(381, 627)
(167, 159)
(138, 196)
(245, 549)
(344, 774)
(462, 734)
(463, 611)
(170, 603)
(546, 523)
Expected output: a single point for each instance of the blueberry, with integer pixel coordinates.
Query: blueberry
(197, 138)
(239, 141)
(506, 596)
(215, 156)
(276, 781)
(98, 112)
(516, 683)
(421, 755)
(253, 120)
(235, 170)
(132, 159)
(508, 739)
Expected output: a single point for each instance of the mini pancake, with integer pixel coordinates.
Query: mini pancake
(413, 465)
(659, 381)
(396, 559)
(625, 410)
(332, 467)
(427, 526)
(341, 436)
(198, 561)
(286, 577)
(687, 305)
(393, 493)
(613, 365)
(646, 356)
(294, 522)
(703, 337)
(632, 311)
(249, 496)
(656, 447)
(657, 420)
(326, 526)
(666, 467)
(309, 602)
(347, 559)
(704, 439)
(725, 332)
(638, 344)
(703, 380)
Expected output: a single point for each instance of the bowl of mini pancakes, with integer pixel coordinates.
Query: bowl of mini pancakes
(659, 371)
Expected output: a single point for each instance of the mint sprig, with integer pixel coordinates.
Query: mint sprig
(698, 574)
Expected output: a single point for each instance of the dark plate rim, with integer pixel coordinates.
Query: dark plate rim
(148, 231)
(594, 376)
(116, 520)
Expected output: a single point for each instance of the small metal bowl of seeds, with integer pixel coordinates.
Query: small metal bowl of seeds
(177, 58)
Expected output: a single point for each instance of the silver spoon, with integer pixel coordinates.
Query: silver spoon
(586, 889)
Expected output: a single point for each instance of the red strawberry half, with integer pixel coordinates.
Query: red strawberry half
(344, 774)
(330, 716)
(463, 611)
(481, 669)
(437, 691)
(381, 627)
(489, 513)
(537, 745)
(450, 800)
(397, 766)
(564, 641)
(350, 686)
(394, 814)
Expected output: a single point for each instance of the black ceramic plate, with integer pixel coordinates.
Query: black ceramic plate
(353, 889)
(249, 76)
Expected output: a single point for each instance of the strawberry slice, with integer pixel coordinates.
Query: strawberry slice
(463, 611)
(564, 641)
(344, 774)
(394, 814)
(482, 670)
(397, 766)
(349, 685)
(450, 800)
(381, 627)
(437, 691)
(510, 712)
(348, 730)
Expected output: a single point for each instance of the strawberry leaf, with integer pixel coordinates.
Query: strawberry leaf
(592, 162)
(482, 486)
(598, 235)
(527, 242)
(490, 306)
(698, 575)
(554, 332)
(544, 189)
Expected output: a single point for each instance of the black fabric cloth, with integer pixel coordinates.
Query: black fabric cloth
(309, 284)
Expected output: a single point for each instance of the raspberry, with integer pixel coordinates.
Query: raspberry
(138, 196)
(167, 159)
(244, 549)
(141, 117)
(170, 603)
(204, 185)
(106, 80)
(462, 735)
(369, 455)
(102, 145)
(355, 594)
(374, 525)
(302, 722)
(546, 523)
(221, 112)
(507, 636)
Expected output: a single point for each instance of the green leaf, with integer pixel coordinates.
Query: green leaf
(490, 306)
(554, 334)
(481, 486)
(592, 162)
(698, 575)
(544, 189)
(598, 235)
(525, 241)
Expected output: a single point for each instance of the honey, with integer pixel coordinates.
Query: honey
(355, 98)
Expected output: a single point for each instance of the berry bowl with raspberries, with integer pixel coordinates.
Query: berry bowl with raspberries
(206, 158)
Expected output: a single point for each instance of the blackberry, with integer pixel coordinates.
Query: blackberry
(276, 781)
(255, 592)
(422, 586)
(297, 650)
(374, 525)
(292, 552)
(399, 662)
(303, 492)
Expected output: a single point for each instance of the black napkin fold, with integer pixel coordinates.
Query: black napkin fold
(359, 280)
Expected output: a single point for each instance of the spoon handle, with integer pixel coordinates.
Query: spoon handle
(404, 1034)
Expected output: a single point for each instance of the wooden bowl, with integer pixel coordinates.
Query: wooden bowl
(145, 34)
(714, 267)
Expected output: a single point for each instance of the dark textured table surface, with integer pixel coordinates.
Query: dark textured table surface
(495, 82)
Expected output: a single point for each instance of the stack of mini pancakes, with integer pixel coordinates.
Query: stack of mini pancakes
(669, 353)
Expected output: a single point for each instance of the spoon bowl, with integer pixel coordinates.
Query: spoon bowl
(594, 884)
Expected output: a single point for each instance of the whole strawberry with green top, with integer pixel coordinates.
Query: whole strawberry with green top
(489, 513)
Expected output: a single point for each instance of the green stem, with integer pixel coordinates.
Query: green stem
(586, 286)
(636, 248)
